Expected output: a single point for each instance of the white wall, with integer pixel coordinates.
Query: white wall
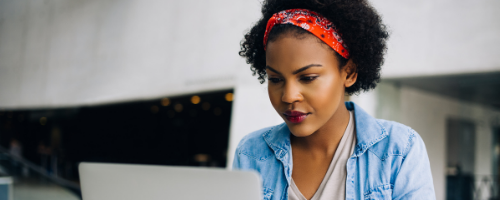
(71, 53)
(427, 114)
(432, 37)
(56, 53)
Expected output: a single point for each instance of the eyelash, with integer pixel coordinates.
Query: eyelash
(274, 80)
(306, 79)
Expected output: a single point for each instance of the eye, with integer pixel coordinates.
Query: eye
(274, 80)
(308, 79)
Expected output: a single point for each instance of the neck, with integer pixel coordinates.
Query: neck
(326, 139)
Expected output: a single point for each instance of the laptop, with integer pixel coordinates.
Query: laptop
(100, 181)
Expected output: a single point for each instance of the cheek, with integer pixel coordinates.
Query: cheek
(274, 95)
(324, 95)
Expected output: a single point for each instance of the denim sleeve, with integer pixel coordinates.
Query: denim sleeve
(414, 180)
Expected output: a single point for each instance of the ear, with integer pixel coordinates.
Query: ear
(351, 73)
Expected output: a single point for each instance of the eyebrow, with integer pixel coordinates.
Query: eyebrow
(296, 71)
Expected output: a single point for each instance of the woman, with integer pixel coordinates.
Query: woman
(313, 52)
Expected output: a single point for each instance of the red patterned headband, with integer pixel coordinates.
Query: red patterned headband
(312, 22)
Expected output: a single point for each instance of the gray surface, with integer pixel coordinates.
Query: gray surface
(132, 182)
(460, 145)
(35, 190)
(481, 88)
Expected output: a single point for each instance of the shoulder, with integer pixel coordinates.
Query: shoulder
(399, 140)
(254, 145)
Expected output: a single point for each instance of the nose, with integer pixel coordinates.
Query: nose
(291, 93)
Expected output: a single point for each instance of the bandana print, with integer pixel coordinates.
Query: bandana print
(312, 22)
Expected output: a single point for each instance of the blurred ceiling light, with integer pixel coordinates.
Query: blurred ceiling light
(178, 107)
(165, 102)
(205, 106)
(195, 99)
(43, 121)
(201, 157)
(229, 96)
(217, 111)
(154, 109)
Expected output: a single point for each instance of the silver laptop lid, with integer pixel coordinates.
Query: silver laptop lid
(133, 182)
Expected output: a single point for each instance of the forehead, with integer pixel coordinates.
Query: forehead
(291, 53)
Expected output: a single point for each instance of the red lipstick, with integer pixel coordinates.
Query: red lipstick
(295, 116)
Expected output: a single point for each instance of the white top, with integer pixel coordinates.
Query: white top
(333, 184)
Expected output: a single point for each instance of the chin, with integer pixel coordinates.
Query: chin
(300, 130)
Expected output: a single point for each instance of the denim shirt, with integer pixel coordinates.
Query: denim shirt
(389, 161)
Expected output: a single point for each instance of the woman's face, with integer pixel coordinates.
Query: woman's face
(305, 84)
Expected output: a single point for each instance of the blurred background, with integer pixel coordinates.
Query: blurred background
(161, 82)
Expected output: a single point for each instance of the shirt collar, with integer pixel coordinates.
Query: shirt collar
(368, 130)
(368, 133)
(278, 139)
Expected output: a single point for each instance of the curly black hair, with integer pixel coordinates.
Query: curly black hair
(356, 21)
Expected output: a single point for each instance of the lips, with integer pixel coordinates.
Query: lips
(295, 116)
